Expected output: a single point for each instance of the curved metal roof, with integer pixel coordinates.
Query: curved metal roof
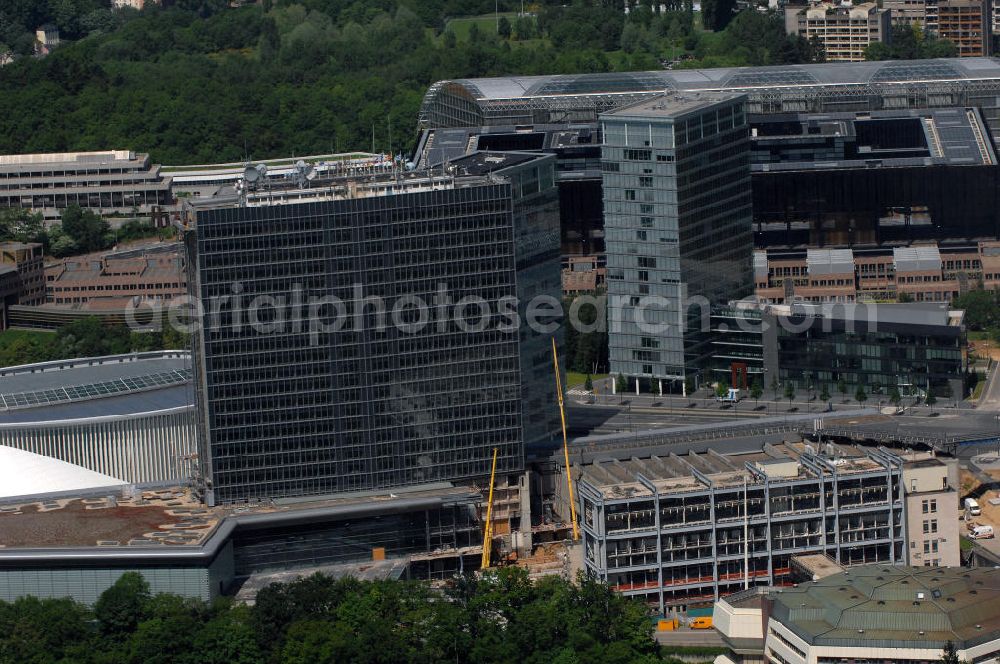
(831, 73)
(48, 384)
(25, 474)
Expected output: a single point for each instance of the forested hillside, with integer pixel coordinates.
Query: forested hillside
(202, 82)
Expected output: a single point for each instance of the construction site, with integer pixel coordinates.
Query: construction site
(679, 530)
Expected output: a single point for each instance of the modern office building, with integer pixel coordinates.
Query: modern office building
(77, 544)
(920, 273)
(878, 178)
(527, 101)
(878, 614)
(677, 219)
(146, 273)
(844, 32)
(577, 147)
(116, 181)
(673, 529)
(343, 398)
(27, 261)
(914, 347)
(968, 24)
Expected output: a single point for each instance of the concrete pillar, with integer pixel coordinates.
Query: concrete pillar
(661, 386)
(636, 387)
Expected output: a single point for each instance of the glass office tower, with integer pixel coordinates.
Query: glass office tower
(677, 213)
(376, 380)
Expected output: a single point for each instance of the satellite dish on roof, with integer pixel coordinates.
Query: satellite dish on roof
(251, 174)
(262, 170)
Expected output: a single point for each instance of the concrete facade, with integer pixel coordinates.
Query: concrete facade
(930, 485)
(673, 531)
(845, 33)
(150, 273)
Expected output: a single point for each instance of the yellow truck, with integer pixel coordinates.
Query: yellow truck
(701, 622)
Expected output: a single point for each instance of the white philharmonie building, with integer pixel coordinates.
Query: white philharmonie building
(127, 418)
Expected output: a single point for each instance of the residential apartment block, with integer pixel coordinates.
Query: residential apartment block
(844, 32)
(968, 25)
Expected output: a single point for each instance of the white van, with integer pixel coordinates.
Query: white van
(981, 532)
(972, 508)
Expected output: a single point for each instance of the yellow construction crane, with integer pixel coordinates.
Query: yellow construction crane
(562, 416)
(488, 529)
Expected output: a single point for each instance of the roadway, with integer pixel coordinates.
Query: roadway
(603, 415)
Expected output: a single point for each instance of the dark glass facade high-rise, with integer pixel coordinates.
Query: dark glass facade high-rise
(327, 398)
(677, 228)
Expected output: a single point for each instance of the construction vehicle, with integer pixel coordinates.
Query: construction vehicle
(701, 622)
(488, 526)
(562, 416)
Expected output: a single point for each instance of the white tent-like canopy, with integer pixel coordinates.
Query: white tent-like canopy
(25, 474)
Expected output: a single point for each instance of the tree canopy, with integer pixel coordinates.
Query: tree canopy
(501, 617)
(200, 82)
(909, 42)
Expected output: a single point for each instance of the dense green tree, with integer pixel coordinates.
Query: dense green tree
(930, 399)
(756, 391)
(588, 384)
(982, 311)
(789, 392)
(621, 384)
(824, 395)
(894, 396)
(909, 42)
(842, 387)
(88, 230)
(121, 608)
(859, 395)
(501, 616)
(774, 386)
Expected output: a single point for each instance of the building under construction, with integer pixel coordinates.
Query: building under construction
(673, 529)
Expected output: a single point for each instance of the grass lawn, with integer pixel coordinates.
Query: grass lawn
(487, 24)
(574, 379)
(964, 543)
(7, 337)
(978, 390)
